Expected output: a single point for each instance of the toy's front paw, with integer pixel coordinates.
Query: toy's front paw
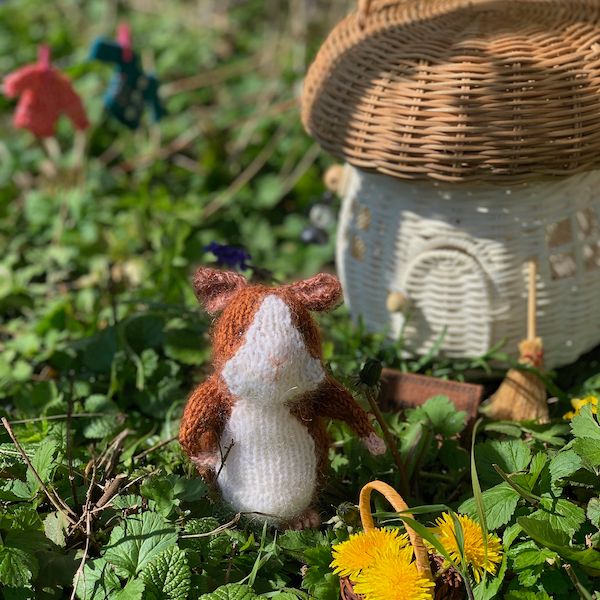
(375, 445)
(206, 460)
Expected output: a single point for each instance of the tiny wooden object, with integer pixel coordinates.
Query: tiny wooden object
(406, 390)
(522, 394)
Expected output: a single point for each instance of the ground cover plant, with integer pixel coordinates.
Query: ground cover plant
(101, 338)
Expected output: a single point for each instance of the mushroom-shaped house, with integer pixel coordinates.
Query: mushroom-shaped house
(470, 130)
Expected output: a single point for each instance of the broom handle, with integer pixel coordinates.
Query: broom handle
(394, 498)
(363, 7)
(532, 301)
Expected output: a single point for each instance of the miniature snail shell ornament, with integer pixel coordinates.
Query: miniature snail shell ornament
(257, 421)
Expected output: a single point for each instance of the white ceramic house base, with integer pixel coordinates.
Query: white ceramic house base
(458, 253)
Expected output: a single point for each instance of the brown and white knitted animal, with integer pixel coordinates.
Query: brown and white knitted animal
(257, 421)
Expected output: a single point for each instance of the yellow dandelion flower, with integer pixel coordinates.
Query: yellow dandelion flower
(474, 547)
(394, 576)
(579, 403)
(362, 549)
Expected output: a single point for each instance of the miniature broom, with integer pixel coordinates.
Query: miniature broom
(522, 394)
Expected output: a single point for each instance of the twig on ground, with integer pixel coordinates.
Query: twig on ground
(55, 500)
(59, 418)
(109, 503)
(247, 174)
(69, 443)
(111, 489)
(109, 458)
(153, 448)
(87, 515)
(220, 529)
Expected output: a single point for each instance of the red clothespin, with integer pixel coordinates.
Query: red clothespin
(124, 39)
(44, 57)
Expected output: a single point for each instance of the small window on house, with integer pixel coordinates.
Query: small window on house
(591, 256)
(588, 223)
(559, 234)
(563, 265)
(363, 218)
(357, 248)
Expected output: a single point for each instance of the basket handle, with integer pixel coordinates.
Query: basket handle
(394, 498)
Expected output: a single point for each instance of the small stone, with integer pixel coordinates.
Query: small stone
(322, 216)
(314, 235)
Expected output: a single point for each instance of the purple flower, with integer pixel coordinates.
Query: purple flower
(229, 256)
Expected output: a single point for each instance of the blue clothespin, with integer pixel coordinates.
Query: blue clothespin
(131, 89)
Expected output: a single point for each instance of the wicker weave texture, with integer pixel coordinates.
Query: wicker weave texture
(461, 90)
(458, 253)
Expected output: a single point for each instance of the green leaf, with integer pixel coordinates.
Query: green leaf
(14, 489)
(185, 346)
(19, 593)
(231, 591)
(138, 540)
(160, 490)
(526, 595)
(144, 331)
(441, 414)
(44, 463)
(97, 581)
(99, 351)
(560, 514)
(55, 527)
(100, 427)
(488, 588)
(168, 576)
(584, 425)
(589, 450)
(17, 567)
(134, 590)
(545, 535)
(511, 456)
(593, 512)
(529, 554)
(565, 463)
(500, 503)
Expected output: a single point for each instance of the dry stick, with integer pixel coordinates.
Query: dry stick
(153, 448)
(115, 450)
(111, 488)
(59, 418)
(56, 501)
(532, 302)
(88, 532)
(108, 504)
(219, 529)
(210, 78)
(307, 160)
(390, 442)
(69, 442)
(224, 458)
(247, 174)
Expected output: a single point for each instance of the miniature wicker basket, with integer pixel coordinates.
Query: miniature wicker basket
(471, 131)
(448, 586)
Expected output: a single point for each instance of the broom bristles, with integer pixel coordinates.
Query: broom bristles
(520, 397)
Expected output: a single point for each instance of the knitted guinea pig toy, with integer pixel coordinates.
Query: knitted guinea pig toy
(257, 421)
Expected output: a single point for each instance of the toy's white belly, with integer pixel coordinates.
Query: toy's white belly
(271, 467)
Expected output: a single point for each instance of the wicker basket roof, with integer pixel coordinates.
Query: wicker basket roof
(461, 90)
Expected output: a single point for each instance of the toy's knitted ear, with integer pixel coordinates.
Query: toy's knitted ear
(319, 293)
(214, 288)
